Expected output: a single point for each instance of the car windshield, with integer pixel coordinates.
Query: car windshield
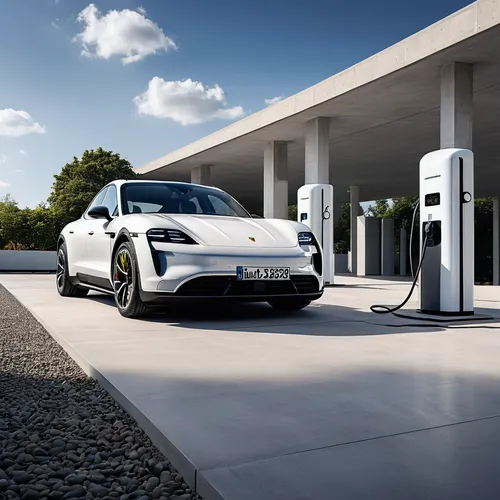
(172, 198)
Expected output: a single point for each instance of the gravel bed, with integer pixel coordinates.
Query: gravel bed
(61, 435)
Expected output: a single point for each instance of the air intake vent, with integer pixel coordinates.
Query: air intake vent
(176, 236)
(229, 286)
(170, 236)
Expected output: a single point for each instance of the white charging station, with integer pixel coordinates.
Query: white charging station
(447, 228)
(315, 209)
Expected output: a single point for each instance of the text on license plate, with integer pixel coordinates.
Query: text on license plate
(262, 273)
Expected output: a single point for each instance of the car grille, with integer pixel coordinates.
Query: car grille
(229, 286)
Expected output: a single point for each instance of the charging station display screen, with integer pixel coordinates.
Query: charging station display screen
(432, 199)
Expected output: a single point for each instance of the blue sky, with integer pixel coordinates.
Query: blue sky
(125, 75)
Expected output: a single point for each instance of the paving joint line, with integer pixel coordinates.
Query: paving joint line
(357, 441)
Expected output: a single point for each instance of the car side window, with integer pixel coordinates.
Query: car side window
(97, 201)
(111, 201)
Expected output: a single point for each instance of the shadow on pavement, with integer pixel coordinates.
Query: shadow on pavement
(318, 319)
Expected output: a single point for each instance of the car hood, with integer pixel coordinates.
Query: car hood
(235, 231)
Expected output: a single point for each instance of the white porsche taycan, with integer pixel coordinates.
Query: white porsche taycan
(151, 242)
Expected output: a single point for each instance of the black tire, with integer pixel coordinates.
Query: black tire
(289, 304)
(63, 283)
(126, 282)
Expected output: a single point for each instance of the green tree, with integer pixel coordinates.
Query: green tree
(79, 181)
(26, 229)
(44, 227)
(381, 209)
(13, 224)
(400, 209)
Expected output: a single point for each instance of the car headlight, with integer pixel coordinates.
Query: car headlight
(308, 243)
(170, 236)
(306, 239)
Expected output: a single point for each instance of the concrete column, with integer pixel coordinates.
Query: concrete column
(368, 255)
(353, 245)
(201, 175)
(456, 106)
(496, 241)
(276, 180)
(387, 247)
(317, 164)
(403, 251)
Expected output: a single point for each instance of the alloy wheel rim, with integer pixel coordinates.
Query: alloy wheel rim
(123, 279)
(61, 269)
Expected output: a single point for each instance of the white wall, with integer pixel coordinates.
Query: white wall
(27, 260)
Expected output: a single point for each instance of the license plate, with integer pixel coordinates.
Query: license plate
(262, 273)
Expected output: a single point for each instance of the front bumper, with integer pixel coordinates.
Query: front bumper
(189, 271)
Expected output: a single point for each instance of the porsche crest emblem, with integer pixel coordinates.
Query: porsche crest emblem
(251, 238)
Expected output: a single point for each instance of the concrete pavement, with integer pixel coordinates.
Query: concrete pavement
(330, 402)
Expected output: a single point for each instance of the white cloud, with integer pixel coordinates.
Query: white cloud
(19, 171)
(3, 158)
(273, 100)
(4, 184)
(124, 33)
(186, 101)
(141, 10)
(23, 152)
(15, 123)
(55, 25)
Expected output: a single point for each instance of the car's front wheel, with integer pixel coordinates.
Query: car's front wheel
(289, 304)
(64, 285)
(126, 282)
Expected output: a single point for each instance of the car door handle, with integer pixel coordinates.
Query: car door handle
(91, 233)
(71, 232)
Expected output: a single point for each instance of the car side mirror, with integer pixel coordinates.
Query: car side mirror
(99, 212)
(255, 216)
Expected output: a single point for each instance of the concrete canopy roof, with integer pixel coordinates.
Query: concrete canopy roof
(385, 117)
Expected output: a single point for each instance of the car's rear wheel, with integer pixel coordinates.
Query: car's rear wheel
(126, 282)
(289, 303)
(64, 285)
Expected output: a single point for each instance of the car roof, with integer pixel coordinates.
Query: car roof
(120, 182)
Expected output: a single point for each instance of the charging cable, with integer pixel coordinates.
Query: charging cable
(381, 309)
(415, 210)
